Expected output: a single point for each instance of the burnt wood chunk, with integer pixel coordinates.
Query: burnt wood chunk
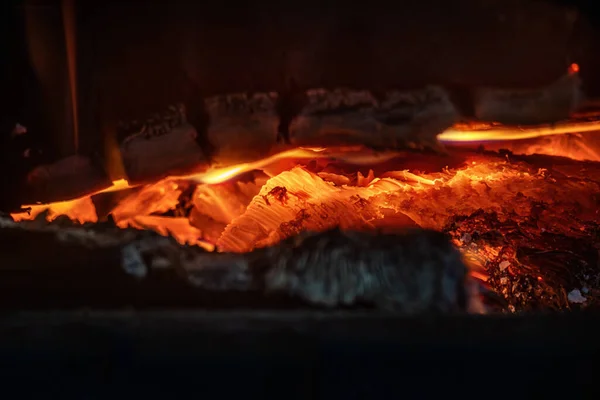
(416, 271)
(413, 272)
(551, 103)
(66, 178)
(395, 120)
(242, 127)
(152, 157)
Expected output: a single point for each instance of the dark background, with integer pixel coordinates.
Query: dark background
(136, 57)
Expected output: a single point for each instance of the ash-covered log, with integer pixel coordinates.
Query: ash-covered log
(416, 272)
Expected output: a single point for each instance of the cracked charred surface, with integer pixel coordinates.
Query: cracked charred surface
(396, 119)
(414, 272)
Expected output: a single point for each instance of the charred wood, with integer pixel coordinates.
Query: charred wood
(64, 179)
(411, 273)
(242, 127)
(152, 156)
(395, 120)
(555, 102)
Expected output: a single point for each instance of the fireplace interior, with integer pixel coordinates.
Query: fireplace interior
(350, 162)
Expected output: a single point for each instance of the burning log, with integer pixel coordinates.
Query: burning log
(544, 105)
(295, 201)
(537, 198)
(242, 127)
(416, 272)
(151, 156)
(69, 177)
(398, 120)
(224, 202)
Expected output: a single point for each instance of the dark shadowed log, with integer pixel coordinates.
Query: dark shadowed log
(547, 104)
(245, 128)
(396, 120)
(242, 127)
(153, 157)
(65, 179)
(397, 272)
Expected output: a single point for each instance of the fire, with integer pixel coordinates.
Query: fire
(283, 194)
(81, 209)
(499, 133)
(573, 68)
(352, 155)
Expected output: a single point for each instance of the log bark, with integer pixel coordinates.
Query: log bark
(242, 127)
(65, 179)
(147, 158)
(352, 268)
(397, 120)
(551, 103)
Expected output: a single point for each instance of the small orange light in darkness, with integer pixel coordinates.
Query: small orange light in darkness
(573, 68)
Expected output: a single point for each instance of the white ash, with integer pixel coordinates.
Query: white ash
(132, 261)
(503, 265)
(576, 297)
(219, 272)
(7, 222)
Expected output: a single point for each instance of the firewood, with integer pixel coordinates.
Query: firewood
(67, 178)
(551, 103)
(398, 120)
(247, 127)
(311, 203)
(242, 127)
(154, 156)
(399, 272)
(530, 222)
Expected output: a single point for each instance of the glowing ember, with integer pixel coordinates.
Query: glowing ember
(81, 209)
(214, 208)
(573, 68)
(500, 133)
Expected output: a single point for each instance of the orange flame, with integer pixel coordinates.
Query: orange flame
(573, 68)
(500, 133)
(80, 209)
(353, 155)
